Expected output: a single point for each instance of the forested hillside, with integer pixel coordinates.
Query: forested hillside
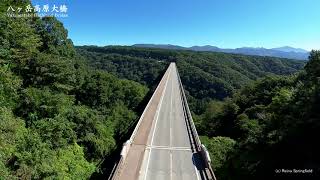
(59, 119)
(205, 75)
(272, 124)
(255, 114)
(65, 111)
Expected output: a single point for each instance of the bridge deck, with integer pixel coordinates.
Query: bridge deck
(161, 148)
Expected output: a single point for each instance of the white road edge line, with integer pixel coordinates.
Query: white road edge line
(171, 165)
(157, 116)
(170, 118)
(197, 173)
(142, 116)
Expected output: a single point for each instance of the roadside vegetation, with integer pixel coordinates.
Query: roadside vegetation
(253, 113)
(59, 119)
(65, 111)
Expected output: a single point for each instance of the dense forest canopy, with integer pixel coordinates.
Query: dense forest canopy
(65, 111)
(58, 117)
(270, 124)
(205, 75)
(253, 113)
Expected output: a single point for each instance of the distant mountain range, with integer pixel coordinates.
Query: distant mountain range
(282, 52)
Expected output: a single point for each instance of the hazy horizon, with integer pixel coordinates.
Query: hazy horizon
(225, 24)
(101, 45)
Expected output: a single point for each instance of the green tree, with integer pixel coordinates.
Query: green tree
(55, 37)
(93, 131)
(35, 160)
(36, 104)
(220, 150)
(313, 66)
(20, 41)
(54, 71)
(9, 86)
(12, 131)
(57, 132)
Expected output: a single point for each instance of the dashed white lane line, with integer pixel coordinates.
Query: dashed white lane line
(170, 118)
(157, 116)
(170, 124)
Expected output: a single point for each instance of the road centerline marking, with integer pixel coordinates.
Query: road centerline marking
(170, 124)
(170, 118)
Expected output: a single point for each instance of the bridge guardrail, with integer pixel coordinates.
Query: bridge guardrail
(193, 127)
(144, 111)
(200, 147)
(126, 146)
(123, 155)
(205, 154)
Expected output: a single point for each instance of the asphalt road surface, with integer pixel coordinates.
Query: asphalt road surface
(168, 155)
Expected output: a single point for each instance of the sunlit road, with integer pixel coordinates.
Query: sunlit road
(169, 154)
(162, 146)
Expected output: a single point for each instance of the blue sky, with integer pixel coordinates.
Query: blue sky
(222, 23)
